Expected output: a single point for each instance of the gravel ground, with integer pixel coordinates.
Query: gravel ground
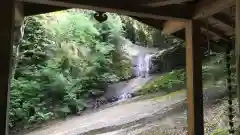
(164, 115)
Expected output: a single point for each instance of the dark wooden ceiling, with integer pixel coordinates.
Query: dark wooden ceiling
(216, 17)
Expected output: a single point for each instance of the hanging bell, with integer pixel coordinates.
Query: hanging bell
(100, 16)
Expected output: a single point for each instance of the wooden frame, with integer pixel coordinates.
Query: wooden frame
(237, 47)
(158, 3)
(189, 15)
(174, 12)
(6, 32)
(206, 8)
(194, 79)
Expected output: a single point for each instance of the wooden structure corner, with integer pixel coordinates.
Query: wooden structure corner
(194, 78)
(197, 18)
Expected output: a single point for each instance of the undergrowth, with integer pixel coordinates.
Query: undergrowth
(213, 70)
(220, 132)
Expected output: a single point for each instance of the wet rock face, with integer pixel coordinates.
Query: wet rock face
(164, 61)
(125, 96)
(121, 97)
(169, 59)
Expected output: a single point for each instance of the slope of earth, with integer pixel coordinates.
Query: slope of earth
(136, 117)
(130, 86)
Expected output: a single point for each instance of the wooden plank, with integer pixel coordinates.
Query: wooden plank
(176, 12)
(214, 31)
(6, 30)
(224, 19)
(158, 3)
(18, 13)
(152, 22)
(158, 24)
(171, 26)
(18, 21)
(205, 8)
(194, 79)
(35, 9)
(237, 47)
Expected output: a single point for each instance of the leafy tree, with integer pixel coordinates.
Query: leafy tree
(62, 61)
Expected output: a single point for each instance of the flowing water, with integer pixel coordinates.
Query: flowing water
(144, 65)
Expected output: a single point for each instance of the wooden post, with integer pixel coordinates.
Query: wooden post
(237, 47)
(6, 30)
(194, 79)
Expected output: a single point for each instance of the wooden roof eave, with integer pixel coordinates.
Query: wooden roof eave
(173, 12)
(176, 14)
(35, 9)
(157, 3)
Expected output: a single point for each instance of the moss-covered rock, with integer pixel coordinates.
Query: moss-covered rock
(213, 71)
(170, 59)
(165, 83)
(220, 132)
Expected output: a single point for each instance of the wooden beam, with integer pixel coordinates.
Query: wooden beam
(152, 22)
(19, 17)
(214, 31)
(237, 47)
(176, 12)
(18, 21)
(6, 30)
(224, 19)
(171, 26)
(194, 79)
(205, 8)
(35, 9)
(158, 3)
(158, 24)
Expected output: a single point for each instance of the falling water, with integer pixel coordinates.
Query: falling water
(143, 65)
(143, 69)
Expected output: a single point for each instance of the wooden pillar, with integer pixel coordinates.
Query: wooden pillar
(237, 47)
(6, 30)
(194, 79)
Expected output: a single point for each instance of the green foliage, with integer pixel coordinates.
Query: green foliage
(213, 71)
(147, 36)
(64, 59)
(214, 68)
(138, 32)
(165, 82)
(220, 132)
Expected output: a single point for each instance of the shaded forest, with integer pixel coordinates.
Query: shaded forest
(67, 57)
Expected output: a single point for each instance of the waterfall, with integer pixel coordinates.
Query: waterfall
(148, 63)
(143, 67)
(144, 64)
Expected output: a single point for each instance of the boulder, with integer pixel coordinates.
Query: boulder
(169, 59)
